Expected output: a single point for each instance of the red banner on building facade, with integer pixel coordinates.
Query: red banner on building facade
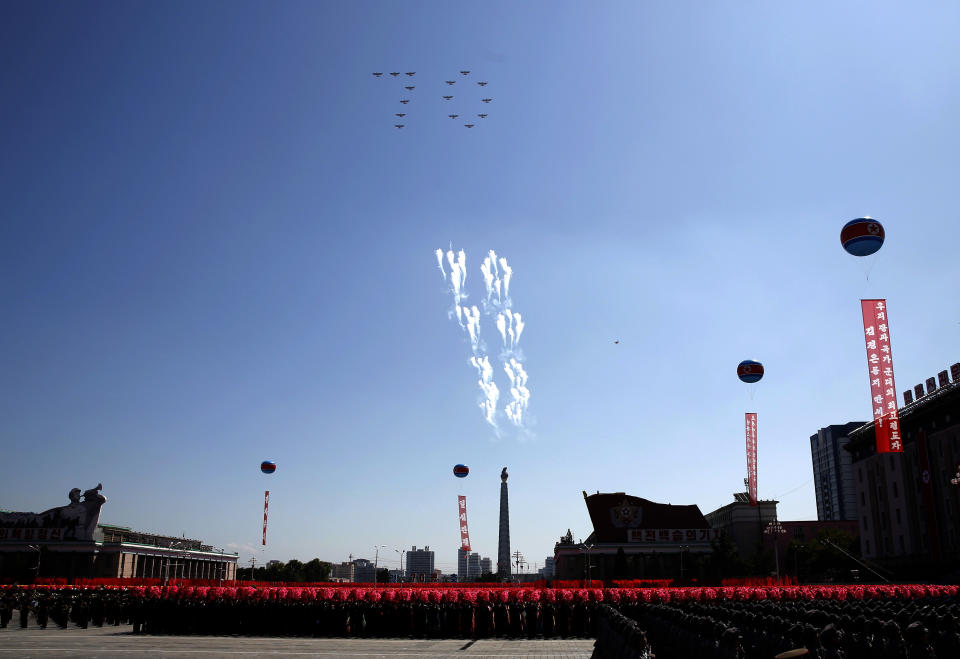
(751, 428)
(266, 503)
(464, 533)
(876, 331)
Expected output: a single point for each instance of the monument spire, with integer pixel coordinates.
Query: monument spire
(503, 547)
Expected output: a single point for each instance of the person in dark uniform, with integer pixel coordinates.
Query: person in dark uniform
(6, 610)
(24, 604)
(918, 641)
(42, 610)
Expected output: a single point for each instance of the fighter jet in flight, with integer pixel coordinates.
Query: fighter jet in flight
(464, 72)
(469, 125)
(410, 88)
(404, 100)
(447, 98)
(400, 114)
(450, 82)
(482, 84)
(398, 125)
(394, 73)
(482, 116)
(410, 73)
(453, 116)
(378, 73)
(486, 100)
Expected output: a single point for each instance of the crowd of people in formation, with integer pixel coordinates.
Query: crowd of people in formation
(926, 628)
(98, 607)
(921, 627)
(82, 607)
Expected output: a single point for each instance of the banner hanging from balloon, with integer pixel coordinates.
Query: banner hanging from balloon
(883, 391)
(464, 532)
(751, 428)
(266, 503)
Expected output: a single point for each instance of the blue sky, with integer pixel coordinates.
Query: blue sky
(216, 249)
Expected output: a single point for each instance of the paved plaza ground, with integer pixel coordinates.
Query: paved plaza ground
(114, 642)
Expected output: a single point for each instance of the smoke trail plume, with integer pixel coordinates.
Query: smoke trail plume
(518, 392)
(487, 277)
(518, 325)
(473, 327)
(507, 274)
(502, 328)
(439, 254)
(497, 276)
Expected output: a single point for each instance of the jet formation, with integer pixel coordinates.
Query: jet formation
(462, 103)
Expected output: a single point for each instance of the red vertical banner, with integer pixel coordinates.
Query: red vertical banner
(751, 428)
(464, 533)
(876, 332)
(266, 503)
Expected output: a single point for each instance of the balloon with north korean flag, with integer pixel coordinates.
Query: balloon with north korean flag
(750, 371)
(862, 236)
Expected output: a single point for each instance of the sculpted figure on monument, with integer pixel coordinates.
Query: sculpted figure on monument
(503, 475)
(75, 521)
(93, 495)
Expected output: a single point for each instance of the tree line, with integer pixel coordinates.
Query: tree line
(291, 571)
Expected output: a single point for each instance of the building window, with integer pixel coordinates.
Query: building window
(863, 499)
(898, 517)
(865, 526)
(895, 492)
(860, 475)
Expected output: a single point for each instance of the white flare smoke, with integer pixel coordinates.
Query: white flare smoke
(507, 274)
(473, 327)
(519, 392)
(489, 388)
(497, 275)
(439, 254)
(458, 273)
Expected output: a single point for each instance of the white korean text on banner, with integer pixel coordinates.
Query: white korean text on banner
(673, 536)
(876, 332)
(751, 430)
(464, 533)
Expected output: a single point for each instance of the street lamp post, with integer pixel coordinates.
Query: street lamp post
(376, 558)
(36, 568)
(774, 529)
(402, 573)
